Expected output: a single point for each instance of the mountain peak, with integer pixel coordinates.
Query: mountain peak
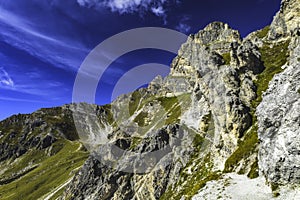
(217, 25)
(217, 32)
(287, 20)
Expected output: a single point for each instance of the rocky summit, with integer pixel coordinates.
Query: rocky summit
(224, 124)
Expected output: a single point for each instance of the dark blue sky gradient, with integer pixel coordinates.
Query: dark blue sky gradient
(44, 42)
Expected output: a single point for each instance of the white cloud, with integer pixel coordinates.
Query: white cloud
(5, 79)
(157, 7)
(158, 11)
(183, 26)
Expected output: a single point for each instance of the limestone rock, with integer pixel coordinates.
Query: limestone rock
(287, 20)
(279, 126)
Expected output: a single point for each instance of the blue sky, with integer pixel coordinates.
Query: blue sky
(44, 42)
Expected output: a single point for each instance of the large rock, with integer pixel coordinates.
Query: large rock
(287, 20)
(279, 125)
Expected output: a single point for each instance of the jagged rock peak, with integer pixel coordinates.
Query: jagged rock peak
(288, 5)
(287, 20)
(216, 32)
(279, 123)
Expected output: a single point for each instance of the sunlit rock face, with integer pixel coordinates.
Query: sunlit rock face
(278, 114)
(287, 20)
(279, 124)
(197, 113)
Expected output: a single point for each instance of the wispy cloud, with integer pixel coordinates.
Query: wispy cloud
(20, 33)
(21, 100)
(5, 79)
(158, 11)
(184, 28)
(157, 7)
(183, 25)
(28, 86)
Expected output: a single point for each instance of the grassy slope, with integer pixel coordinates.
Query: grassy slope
(198, 170)
(169, 113)
(40, 171)
(50, 173)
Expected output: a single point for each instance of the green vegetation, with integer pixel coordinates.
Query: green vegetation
(168, 114)
(197, 179)
(5, 127)
(254, 170)
(65, 123)
(275, 188)
(170, 105)
(246, 148)
(263, 32)
(134, 102)
(173, 107)
(198, 141)
(276, 194)
(135, 141)
(274, 56)
(227, 58)
(108, 113)
(50, 171)
(141, 119)
(28, 160)
(168, 102)
(196, 173)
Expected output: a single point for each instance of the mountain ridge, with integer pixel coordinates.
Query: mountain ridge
(200, 120)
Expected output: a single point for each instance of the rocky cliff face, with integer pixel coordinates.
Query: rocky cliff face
(207, 118)
(200, 111)
(278, 114)
(279, 126)
(286, 22)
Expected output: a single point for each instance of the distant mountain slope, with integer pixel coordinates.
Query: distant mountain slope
(38, 153)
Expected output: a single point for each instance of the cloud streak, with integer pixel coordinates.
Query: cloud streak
(183, 25)
(157, 7)
(27, 86)
(22, 100)
(19, 33)
(5, 79)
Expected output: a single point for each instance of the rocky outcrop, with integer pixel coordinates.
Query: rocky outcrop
(287, 20)
(223, 67)
(277, 117)
(279, 125)
(99, 179)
